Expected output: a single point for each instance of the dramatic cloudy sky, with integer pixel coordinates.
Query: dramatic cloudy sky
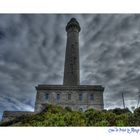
(32, 50)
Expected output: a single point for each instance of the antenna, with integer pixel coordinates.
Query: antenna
(138, 101)
(123, 100)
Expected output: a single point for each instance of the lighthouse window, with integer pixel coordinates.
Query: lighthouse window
(58, 97)
(47, 96)
(80, 96)
(91, 96)
(69, 96)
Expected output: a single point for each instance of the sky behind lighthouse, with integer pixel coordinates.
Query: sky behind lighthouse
(32, 52)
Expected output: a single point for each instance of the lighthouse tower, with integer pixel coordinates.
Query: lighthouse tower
(71, 69)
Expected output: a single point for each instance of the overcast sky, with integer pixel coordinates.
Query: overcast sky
(32, 50)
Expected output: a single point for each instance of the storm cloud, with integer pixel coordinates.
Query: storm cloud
(32, 51)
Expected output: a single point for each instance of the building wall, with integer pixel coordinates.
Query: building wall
(74, 103)
(10, 115)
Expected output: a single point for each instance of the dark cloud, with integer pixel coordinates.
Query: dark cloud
(2, 35)
(32, 52)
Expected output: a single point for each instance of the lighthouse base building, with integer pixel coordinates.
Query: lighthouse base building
(79, 98)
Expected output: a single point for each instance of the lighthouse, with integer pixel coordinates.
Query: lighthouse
(71, 68)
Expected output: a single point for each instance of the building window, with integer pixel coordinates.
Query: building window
(80, 97)
(47, 96)
(69, 96)
(91, 97)
(58, 97)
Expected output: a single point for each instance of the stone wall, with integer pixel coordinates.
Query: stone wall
(48, 94)
(10, 115)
